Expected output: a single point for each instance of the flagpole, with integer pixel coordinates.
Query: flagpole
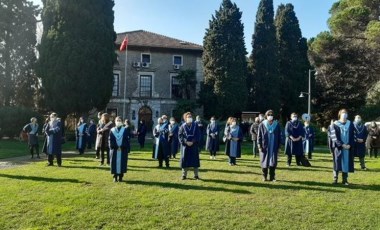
(125, 79)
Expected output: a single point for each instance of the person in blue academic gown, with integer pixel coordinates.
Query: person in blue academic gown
(188, 136)
(235, 136)
(91, 134)
(173, 137)
(81, 135)
(162, 147)
(119, 140)
(141, 133)
(32, 130)
(54, 134)
(308, 140)
(212, 141)
(294, 132)
(360, 137)
(268, 142)
(342, 141)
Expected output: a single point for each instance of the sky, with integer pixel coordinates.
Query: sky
(188, 19)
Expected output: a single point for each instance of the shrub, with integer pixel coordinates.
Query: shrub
(13, 119)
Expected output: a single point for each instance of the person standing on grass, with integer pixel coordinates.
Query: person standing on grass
(373, 139)
(91, 134)
(226, 136)
(294, 132)
(188, 135)
(162, 147)
(81, 136)
(173, 137)
(342, 140)
(268, 143)
(103, 133)
(212, 141)
(201, 128)
(44, 147)
(141, 133)
(360, 136)
(32, 130)
(128, 129)
(119, 141)
(253, 131)
(235, 136)
(54, 134)
(308, 141)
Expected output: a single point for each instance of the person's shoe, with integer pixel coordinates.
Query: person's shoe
(120, 179)
(114, 179)
(96, 157)
(167, 166)
(235, 164)
(48, 164)
(364, 168)
(214, 157)
(211, 158)
(264, 178)
(183, 178)
(196, 177)
(345, 183)
(335, 181)
(38, 156)
(287, 165)
(231, 164)
(101, 164)
(59, 165)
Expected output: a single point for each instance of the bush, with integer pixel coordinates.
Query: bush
(320, 137)
(13, 119)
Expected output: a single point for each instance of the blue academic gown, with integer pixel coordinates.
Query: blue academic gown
(174, 142)
(308, 141)
(269, 140)
(339, 135)
(91, 134)
(235, 146)
(81, 135)
(294, 129)
(119, 140)
(360, 132)
(212, 144)
(189, 154)
(162, 141)
(54, 132)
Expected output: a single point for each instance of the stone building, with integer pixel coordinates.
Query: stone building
(145, 86)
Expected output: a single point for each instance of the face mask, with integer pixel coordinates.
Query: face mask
(344, 115)
(212, 121)
(358, 120)
(261, 118)
(294, 119)
(119, 123)
(233, 123)
(189, 120)
(53, 118)
(172, 122)
(306, 125)
(270, 118)
(164, 121)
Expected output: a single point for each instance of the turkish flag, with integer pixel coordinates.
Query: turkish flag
(124, 44)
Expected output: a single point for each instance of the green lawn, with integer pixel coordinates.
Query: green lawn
(81, 195)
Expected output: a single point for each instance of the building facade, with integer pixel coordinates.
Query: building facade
(145, 86)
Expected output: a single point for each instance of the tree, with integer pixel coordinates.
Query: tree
(346, 57)
(265, 81)
(77, 54)
(18, 82)
(293, 60)
(225, 65)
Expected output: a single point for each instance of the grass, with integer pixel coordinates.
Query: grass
(81, 195)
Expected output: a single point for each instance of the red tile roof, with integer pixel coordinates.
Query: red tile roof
(149, 39)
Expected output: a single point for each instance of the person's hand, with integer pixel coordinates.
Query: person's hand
(260, 150)
(189, 143)
(235, 139)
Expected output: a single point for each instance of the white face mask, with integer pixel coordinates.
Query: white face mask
(294, 119)
(270, 118)
(172, 122)
(212, 121)
(344, 116)
(189, 120)
(119, 123)
(233, 123)
(261, 118)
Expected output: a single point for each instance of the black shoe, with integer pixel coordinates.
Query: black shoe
(183, 178)
(197, 178)
(167, 166)
(115, 179)
(364, 168)
(120, 179)
(48, 164)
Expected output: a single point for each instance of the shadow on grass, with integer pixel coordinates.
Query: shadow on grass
(312, 168)
(271, 185)
(331, 185)
(43, 179)
(187, 187)
(105, 168)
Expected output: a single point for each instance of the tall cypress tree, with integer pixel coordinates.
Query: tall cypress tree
(77, 54)
(293, 61)
(225, 64)
(264, 61)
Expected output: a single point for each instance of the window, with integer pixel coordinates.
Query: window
(176, 88)
(145, 58)
(177, 60)
(145, 86)
(115, 87)
(112, 112)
